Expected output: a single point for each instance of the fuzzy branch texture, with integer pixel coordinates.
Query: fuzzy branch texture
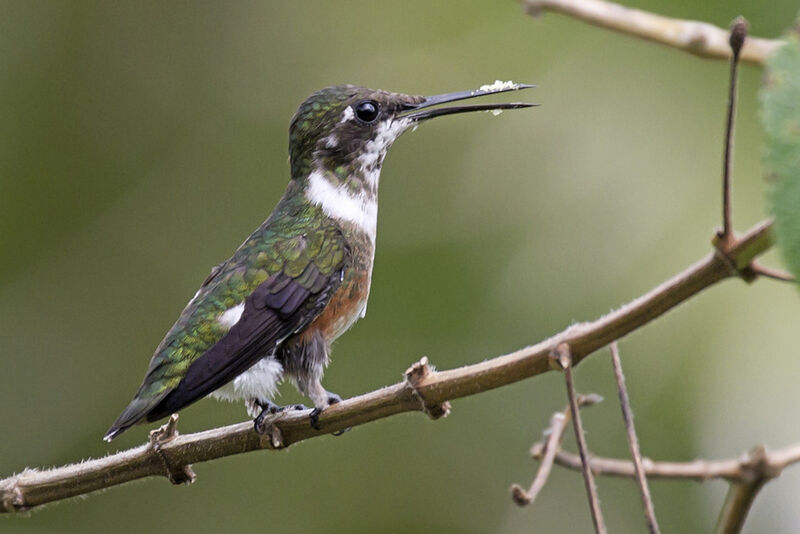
(423, 389)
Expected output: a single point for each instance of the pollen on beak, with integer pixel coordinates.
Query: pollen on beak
(428, 103)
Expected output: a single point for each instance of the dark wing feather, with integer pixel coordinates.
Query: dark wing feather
(278, 308)
(196, 357)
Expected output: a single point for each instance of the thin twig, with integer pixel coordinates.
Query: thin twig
(737, 505)
(737, 40)
(698, 38)
(33, 487)
(554, 433)
(564, 358)
(735, 470)
(633, 442)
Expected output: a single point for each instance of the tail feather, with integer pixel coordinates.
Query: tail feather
(136, 411)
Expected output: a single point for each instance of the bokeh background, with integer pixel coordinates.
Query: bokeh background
(141, 142)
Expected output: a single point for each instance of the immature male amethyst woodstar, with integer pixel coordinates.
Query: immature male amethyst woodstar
(302, 278)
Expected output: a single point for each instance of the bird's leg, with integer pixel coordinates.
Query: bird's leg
(268, 408)
(322, 399)
(333, 398)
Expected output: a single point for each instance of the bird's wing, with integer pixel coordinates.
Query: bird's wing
(282, 283)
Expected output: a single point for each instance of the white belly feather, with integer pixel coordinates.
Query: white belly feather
(259, 382)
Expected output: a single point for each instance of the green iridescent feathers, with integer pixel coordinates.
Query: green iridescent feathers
(312, 121)
(295, 237)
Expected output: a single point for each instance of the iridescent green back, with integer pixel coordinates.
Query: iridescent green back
(295, 235)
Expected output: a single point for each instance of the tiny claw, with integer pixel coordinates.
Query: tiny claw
(314, 418)
(269, 408)
(258, 422)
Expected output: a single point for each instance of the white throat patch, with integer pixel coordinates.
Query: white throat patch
(338, 202)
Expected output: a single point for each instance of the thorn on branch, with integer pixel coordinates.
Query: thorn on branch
(415, 375)
(755, 270)
(561, 356)
(176, 473)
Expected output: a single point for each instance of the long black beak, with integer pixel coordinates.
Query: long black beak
(495, 88)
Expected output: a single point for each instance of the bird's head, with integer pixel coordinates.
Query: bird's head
(346, 130)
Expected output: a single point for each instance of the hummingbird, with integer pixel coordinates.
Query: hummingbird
(272, 310)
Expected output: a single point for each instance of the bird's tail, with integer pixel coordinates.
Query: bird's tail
(136, 411)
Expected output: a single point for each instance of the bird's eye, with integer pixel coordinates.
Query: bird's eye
(367, 111)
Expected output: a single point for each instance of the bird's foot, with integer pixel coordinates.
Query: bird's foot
(332, 398)
(269, 408)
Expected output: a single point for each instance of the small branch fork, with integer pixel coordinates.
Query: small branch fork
(754, 465)
(548, 450)
(698, 38)
(746, 474)
(749, 474)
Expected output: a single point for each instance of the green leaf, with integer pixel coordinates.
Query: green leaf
(780, 117)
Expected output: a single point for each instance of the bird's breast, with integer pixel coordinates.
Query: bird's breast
(349, 301)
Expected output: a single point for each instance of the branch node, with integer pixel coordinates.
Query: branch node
(561, 356)
(14, 500)
(756, 465)
(722, 246)
(271, 437)
(415, 376)
(176, 473)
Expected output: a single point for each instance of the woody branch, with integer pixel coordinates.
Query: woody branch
(423, 389)
(695, 37)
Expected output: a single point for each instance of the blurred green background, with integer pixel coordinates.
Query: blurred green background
(141, 142)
